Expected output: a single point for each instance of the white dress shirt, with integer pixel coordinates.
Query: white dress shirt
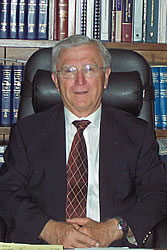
(91, 135)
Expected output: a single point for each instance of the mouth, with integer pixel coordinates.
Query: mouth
(83, 92)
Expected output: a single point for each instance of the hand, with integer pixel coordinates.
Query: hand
(104, 232)
(66, 234)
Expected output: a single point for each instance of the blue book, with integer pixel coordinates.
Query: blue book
(156, 84)
(4, 18)
(42, 16)
(152, 21)
(32, 20)
(13, 19)
(16, 88)
(22, 20)
(163, 96)
(6, 85)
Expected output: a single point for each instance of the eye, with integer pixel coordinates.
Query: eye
(90, 68)
(68, 70)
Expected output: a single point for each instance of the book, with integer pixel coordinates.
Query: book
(144, 20)
(156, 84)
(31, 20)
(152, 21)
(89, 18)
(4, 18)
(16, 88)
(78, 17)
(62, 19)
(2, 150)
(96, 20)
(113, 20)
(42, 19)
(83, 17)
(162, 21)
(6, 85)
(51, 19)
(163, 95)
(137, 21)
(22, 22)
(13, 19)
(118, 21)
(71, 17)
(126, 26)
(105, 21)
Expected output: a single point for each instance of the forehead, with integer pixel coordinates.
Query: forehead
(80, 54)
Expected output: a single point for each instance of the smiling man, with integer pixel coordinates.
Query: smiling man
(82, 174)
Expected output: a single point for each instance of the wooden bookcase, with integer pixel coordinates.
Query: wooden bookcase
(22, 49)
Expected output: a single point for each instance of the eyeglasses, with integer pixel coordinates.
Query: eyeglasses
(89, 70)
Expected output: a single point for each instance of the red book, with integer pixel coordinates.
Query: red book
(61, 22)
(126, 27)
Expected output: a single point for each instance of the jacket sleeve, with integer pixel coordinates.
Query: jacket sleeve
(151, 190)
(21, 214)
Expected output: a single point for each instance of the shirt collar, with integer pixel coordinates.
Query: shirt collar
(94, 118)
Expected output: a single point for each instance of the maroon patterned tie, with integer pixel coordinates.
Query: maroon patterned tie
(77, 174)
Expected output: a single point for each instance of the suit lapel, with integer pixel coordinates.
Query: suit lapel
(109, 155)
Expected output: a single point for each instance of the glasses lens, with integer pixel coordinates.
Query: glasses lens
(90, 70)
(69, 72)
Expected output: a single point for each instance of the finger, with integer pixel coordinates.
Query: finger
(79, 221)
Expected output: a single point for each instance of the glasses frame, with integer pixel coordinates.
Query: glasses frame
(75, 72)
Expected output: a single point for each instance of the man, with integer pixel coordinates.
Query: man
(127, 185)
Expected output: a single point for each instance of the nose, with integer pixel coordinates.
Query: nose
(80, 78)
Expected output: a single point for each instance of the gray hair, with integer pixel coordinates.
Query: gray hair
(77, 40)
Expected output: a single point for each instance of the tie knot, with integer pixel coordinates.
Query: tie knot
(82, 124)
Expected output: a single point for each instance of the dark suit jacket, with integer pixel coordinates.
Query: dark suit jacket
(133, 183)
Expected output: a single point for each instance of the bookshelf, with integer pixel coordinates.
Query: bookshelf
(22, 49)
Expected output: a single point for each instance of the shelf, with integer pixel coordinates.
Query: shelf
(51, 43)
(4, 135)
(161, 133)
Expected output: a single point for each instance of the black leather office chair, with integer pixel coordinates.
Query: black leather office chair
(130, 88)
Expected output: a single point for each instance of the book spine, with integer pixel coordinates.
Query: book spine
(22, 13)
(83, 16)
(96, 25)
(32, 20)
(105, 21)
(71, 17)
(62, 19)
(156, 84)
(6, 84)
(152, 21)
(78, 17)
(163, 96)
(16, 88)
(118, 21)
(42, 16)
(162, 21)
(51, 20)
(126, 28)
(13, 19)
(137, 21)
(113, 20)
(4, 18)
(144, 20)
(89, 18)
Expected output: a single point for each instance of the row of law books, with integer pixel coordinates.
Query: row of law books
(10, 87)
(159, 74)
(24, 19)
(107, 20)
(110, 20)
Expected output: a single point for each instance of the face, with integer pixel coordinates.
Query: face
(81, 95)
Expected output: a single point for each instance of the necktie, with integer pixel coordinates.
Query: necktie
(77, 174)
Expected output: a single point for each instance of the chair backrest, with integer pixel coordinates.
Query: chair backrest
(129, 69)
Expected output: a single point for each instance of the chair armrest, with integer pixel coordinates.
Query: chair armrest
(158, 238)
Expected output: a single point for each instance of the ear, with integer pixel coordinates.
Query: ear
(107, 75)
(54, 78)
